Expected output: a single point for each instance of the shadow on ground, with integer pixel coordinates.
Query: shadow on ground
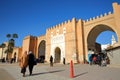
(46, 72)
(81, 74)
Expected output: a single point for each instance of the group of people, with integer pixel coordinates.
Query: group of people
(100, 59)
(11, 60)
(27, 59)
(51, 61)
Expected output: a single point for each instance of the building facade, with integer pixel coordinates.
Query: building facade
(17, 52)
(73, 38)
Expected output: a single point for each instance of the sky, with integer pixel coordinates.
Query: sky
(33, 17)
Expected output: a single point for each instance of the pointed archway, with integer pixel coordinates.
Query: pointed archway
(57, 55)
(94, 47)
(94, 33)
(41, 51)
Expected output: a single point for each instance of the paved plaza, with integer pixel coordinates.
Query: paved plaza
(60, 72)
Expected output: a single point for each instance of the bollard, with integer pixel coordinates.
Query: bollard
(71, 70)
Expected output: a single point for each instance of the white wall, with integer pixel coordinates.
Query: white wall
(58, 41)
(114, 56)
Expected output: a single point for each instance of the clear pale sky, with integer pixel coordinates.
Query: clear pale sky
(33, 17)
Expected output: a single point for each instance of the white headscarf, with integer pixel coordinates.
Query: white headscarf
(30, 52)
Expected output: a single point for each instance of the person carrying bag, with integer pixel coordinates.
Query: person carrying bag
(23, 63)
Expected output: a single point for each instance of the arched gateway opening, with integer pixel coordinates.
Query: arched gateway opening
(57, 55)
(41, 51)
(93, 46)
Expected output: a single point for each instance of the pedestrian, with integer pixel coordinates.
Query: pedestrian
(31, 62)
(23, 63)
(103, 62)
(51, 61)
(94, 60)
(90, 58)
(64, 61)
(14, 59)
(98, 59)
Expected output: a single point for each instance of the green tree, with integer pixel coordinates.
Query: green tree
(15, 36)
(8, 36)
(11, 45)
(11, 42)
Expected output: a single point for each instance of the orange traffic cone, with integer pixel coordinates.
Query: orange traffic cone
(71, 70)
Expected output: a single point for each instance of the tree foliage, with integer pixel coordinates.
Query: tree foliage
(15, 36)
(11, 42)
(8, 35)
(2, 45)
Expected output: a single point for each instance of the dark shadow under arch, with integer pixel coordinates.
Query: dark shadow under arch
(41, 51)
(57, 55)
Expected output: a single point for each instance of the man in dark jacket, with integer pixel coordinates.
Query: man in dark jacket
(51, 61)
(31, 59)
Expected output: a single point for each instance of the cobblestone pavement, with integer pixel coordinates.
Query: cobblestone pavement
(60, 72)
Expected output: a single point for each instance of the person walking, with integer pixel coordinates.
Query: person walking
(14, 59)
(51, 61)
(98, 59)
(31, 62)
(94, 60)
(64, 61)
(23, 63)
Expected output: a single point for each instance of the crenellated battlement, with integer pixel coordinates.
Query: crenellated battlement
(85, 21)
(60, 25)
(98, 17)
